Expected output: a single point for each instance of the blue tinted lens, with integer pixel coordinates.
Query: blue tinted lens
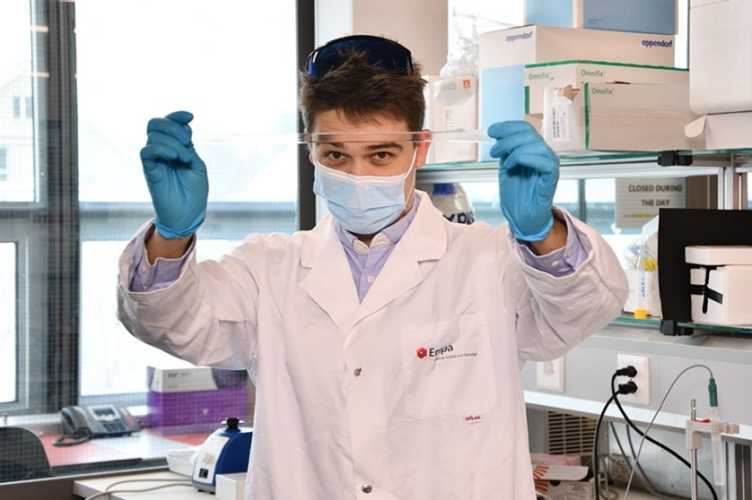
(380, 52)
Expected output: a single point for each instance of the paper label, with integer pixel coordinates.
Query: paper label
(560, 122)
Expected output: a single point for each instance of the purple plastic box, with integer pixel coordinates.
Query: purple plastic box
(168, 409)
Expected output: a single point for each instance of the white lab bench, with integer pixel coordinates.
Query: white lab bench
(86, 487)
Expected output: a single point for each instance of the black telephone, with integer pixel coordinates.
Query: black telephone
(81, 423)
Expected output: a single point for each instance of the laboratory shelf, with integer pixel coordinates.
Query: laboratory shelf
(601, 164)
(655, 324)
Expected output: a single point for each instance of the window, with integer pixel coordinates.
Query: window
(3, 164)
(484, 197)
(236, 92)
(16, 107)
(17, 167)
(67, 211)
(7, 322)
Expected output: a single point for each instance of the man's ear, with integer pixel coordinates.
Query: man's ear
(423, 147)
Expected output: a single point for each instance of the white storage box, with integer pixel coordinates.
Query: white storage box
(504, 54)
(722, 131)
(576, 73)
(617, 117)
(452, 105)
(720, 56)
(643, 16)
(721, 284)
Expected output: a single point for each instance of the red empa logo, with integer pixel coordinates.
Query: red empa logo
(422, 352)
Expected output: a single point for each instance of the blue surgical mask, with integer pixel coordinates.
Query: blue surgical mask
(361, 204)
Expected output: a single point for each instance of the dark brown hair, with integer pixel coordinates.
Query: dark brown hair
(361, 90)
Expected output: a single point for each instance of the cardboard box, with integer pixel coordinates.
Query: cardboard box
(453, 104)
(641, 16)
(720, 56)
(722, 131)
(504, 54)
(721, 284)
(617, 117)
(194, 378)
(577, 73)
(563, 482)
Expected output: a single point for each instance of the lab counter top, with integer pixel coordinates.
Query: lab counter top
(144, 445)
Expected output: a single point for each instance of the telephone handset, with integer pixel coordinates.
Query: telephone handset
(81, 423)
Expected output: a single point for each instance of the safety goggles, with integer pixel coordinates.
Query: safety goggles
(380, 52)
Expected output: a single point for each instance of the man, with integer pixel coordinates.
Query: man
(385, 344)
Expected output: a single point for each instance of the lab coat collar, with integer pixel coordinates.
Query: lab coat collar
(330, 283)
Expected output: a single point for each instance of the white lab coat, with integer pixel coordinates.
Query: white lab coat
(343, 400)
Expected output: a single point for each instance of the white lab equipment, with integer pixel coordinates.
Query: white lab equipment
(231, 486)
(225, 451)
(695, 430)
(721, 284)
(720, 56)
(182, 461)
(286, 308)
(641, 16)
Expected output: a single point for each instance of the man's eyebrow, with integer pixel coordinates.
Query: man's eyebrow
(372, 147)
(386, 145)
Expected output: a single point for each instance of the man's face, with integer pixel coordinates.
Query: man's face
(368, 148)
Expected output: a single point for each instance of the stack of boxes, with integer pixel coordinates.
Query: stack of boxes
(720, 60)
(591, 75)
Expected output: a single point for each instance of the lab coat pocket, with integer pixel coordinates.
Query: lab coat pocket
(447, 369)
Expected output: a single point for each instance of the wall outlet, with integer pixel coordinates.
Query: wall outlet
(550, 375)
(642, 363)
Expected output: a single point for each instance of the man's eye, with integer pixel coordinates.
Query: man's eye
(383, 156)
(334, 156)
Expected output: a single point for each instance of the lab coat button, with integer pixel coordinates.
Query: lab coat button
(357, 371)
(367, 488)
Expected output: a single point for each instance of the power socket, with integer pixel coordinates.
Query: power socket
(642, 363)
(550, 375)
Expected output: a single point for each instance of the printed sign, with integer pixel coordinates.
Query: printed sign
(639, 199)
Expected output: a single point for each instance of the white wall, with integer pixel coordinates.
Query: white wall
(420, 25)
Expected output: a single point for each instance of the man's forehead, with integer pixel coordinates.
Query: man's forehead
(337, 120)
(379, 130)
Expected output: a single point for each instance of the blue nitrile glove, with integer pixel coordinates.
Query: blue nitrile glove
(528, 174)
(176, 175)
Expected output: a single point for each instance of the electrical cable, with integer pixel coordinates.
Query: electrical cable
(651, 488)
(78, 437)
(108, 491)
(648, 482)
(645, 436)
(595, 447)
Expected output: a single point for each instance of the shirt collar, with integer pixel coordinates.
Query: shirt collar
(389, 235)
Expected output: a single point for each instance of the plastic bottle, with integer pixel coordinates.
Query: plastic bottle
(453, 202)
